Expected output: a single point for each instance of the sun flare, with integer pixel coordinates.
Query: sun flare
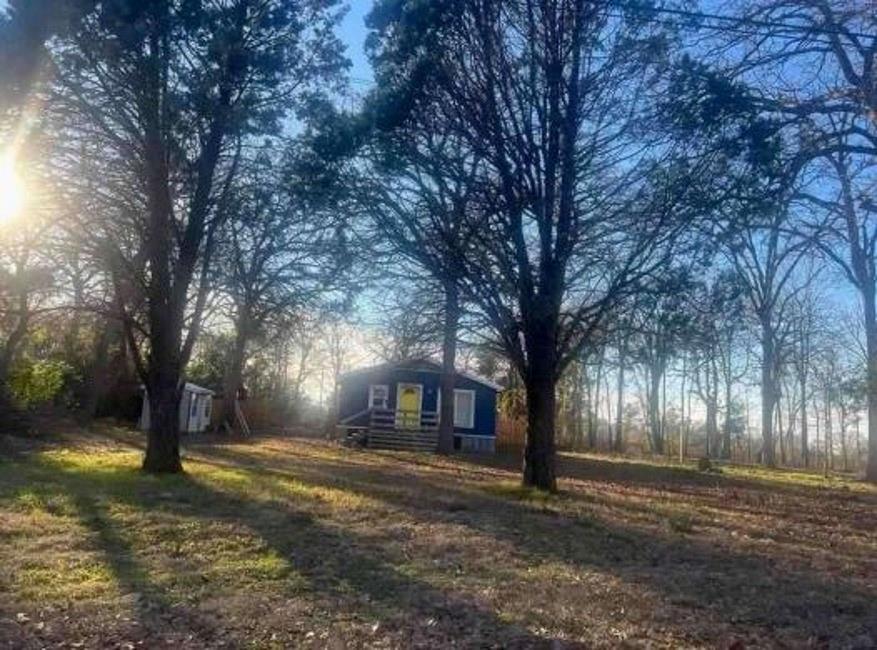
(11, 191)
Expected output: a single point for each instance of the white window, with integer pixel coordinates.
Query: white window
(378, 394)
(464, 408)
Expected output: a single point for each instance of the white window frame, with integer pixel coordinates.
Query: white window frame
(371, 395)
(470, 424)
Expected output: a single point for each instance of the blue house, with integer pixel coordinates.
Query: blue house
(396, 405)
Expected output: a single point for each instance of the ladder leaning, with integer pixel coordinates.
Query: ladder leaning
(240, 420)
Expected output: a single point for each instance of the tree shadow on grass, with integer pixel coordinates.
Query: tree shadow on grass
(720, 587)
(155, 611)
(628, 471)
(347, 574)
(674, 477)
(85, 496)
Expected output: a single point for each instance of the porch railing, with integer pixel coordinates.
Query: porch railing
(399, 419)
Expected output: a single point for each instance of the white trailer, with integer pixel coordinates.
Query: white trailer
(196, 405)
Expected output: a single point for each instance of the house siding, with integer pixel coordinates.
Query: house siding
(354, 390)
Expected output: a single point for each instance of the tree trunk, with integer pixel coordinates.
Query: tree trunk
(870, 309)
(165, 301)
(594, 415)
(768, 396)
(829, 440)
(96, 386)
(301, 374)
(791, 424)
(168, 287)
(72, 334)
(163, 437)
(726, 434)
(539, 468)
(163, 380)
(618, 444)
(581, 378)
(805, 443)
(540, 379)
(858, 443)
(655, 375)
(607, 390)
(14, 341)
(779, 432)
(234, 371)
(712, 426)
(561, 404)
(449, 359)
(682, 410)
(665, 439)
(589, 403)
(164, 390)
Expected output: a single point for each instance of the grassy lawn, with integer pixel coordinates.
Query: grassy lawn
(285, 542)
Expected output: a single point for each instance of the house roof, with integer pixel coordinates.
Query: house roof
(423, 365)
(190, 388)
(194, 388)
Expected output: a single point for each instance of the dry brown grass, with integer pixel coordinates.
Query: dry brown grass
(285, 542)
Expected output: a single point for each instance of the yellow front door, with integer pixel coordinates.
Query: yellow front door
(408, 399)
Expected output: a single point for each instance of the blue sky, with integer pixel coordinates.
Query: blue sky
(353, 32)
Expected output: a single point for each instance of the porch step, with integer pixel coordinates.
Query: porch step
(403, 440)
(395, 445)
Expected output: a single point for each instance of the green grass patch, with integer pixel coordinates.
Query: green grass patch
(185, 536)
(256, 566)
(791, 478)
(33, 500)
(63, 578)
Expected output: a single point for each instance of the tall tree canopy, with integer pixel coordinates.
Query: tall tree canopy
(153, 104)
(585, 201)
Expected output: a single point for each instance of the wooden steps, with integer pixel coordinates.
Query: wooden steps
(383, 433)
(403, 439)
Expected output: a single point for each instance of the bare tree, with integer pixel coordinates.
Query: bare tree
(807, 324)
(410, 324)
(765, 258)
(660, 325)
(548, 94)
(419, 188)
(164, 108)
(831, 118)
(279, 255)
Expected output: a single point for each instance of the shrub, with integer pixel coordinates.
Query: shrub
(37, 382)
